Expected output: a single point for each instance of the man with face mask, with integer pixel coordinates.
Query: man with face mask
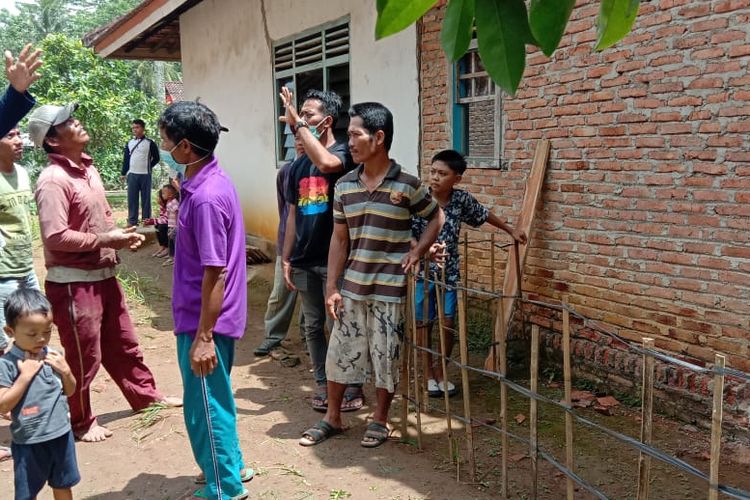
(310, 223)
(80, 252)
(209, 299)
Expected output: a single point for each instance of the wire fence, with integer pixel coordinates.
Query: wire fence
(414, 389)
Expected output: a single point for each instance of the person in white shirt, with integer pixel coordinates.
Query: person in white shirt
(141, 154)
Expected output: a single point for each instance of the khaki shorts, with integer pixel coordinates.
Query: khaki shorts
(365, 339)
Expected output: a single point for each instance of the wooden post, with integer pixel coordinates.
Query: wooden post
(440, 296)
(567, 380)
(716, 417)
(647, 413)
(465, 389)
(405, 382)
(492, 262)
(534, 385)
(415, 368)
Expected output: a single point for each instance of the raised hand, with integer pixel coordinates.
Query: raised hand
(21, 72)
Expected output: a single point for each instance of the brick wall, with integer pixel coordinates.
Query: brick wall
(645, 222)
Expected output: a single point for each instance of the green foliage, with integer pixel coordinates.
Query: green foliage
(457, 28)
(396, 15)
(504, 27)
(616, 18)
(548, 19)
(502, 32)
(103, 88)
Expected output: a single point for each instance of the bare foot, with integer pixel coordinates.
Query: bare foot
(95, 434)
(172, 402)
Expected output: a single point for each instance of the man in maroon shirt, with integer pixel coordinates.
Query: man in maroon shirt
(80, 252)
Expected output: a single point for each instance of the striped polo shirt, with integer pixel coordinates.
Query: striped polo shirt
(379, 226)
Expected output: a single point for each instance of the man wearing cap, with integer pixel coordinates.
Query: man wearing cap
(16, 101)
(140, 156)
(209, 299)
(80, 252)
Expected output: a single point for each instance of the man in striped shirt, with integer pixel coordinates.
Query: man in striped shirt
(372, 210)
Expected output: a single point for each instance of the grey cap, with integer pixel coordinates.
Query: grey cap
(47, 116)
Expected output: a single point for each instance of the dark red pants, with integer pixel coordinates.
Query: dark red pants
(95, 329)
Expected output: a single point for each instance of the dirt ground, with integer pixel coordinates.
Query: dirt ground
(155, 462)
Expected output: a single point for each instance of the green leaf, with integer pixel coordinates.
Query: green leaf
(616, 18)
(502, 30)
(548, 19)
(457, 28)
(396, 15)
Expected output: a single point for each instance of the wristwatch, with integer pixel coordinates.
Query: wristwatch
(301, 124)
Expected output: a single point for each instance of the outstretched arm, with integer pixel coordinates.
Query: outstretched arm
(516, 234)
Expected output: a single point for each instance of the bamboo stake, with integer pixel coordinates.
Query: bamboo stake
(502, 362)
(716, 418)
(647, 413)
(463, 341)
(567, 380)
(415, 367)
(424, 337)
(405, 364)
(440, 296)
(533, 445)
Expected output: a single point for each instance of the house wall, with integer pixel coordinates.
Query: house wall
(645, 223)
(227, 62)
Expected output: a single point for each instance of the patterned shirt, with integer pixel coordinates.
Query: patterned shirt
(379, 225)
(16, 254)
(462, 207)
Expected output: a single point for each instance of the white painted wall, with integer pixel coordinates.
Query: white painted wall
(227, 63)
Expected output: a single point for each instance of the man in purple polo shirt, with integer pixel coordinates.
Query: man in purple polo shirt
(209, 298)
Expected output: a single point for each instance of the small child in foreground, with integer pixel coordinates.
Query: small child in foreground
(460, 207)
(34, 383)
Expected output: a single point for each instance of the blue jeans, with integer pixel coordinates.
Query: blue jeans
(211, 418)
(8, 286)
(138, 185)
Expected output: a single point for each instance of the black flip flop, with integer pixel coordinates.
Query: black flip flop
(319, 433)
(378, 432)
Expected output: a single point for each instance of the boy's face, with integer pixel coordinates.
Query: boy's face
(442, 177)
(32, 332)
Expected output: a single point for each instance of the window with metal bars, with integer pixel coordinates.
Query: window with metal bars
(477, 117)
(314, 59)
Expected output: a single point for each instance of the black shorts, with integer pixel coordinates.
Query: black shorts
(53, 462)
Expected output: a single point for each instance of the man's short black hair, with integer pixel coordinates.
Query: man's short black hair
(193, 121)
(375, 117)
(140, 122)
(52, 132)
(329, 100)
(453, 159)
(25, 302)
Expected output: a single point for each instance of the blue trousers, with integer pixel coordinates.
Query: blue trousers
(211, 418)
(139, 185)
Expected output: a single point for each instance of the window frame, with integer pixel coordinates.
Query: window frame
(459, 112)
(324, 64)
